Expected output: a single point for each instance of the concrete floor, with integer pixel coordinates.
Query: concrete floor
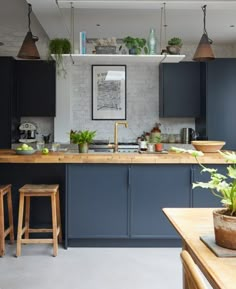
(91, 268)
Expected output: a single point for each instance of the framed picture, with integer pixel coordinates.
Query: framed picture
(108, 92)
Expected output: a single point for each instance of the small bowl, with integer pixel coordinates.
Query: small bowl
(209, 146)
(25, 152)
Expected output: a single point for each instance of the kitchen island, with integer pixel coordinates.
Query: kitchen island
(112, 199)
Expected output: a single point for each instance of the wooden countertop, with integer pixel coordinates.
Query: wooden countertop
(10, 156)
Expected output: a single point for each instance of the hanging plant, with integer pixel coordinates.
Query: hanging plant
(59, 46)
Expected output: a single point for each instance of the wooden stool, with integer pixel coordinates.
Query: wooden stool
(28, 191)
(5, 190)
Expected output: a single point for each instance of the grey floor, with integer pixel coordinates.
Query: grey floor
(91, 268)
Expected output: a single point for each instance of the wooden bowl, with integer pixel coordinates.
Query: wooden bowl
(209, 146)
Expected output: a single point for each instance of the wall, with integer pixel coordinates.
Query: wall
(74, 99)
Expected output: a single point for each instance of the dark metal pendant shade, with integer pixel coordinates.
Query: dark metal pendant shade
(204, 51)
(28, 48)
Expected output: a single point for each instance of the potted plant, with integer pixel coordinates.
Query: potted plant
(135, 45)
(82, 138)
(59, 46)
(158, 144)
(174, 45)
(223, 187)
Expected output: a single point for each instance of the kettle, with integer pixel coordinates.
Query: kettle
(188, 134)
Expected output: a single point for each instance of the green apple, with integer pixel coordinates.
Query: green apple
(45, 151)
(24, 147)
(30, 148)
(19, 149)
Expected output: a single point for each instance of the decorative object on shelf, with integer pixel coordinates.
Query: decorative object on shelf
(108, 92)
(83, 41)
(106, 46)
(204, 51)
(28, 48)
(152, 42)
(174, 45)
(82, 138)
(59, 46)
(135, 45)
(223, 187)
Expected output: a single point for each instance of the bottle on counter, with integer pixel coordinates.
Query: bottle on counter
(155, 132)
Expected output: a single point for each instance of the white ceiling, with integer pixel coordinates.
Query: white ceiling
(131, 17)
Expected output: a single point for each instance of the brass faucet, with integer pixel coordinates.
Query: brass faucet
(115, 145)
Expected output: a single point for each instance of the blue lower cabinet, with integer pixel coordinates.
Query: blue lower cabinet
(154, 187)
(203, 198)
(97, 201)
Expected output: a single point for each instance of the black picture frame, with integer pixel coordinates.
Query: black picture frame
(109, 92)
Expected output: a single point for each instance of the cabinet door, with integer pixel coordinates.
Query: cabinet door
(154, 187)
(179, 89)
(221, 101)
(203, 198)
(36, 87)
(97, 201)
(8, 116)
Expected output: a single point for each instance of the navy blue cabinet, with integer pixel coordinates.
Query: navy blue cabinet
(203, 198)
(154, 187)
(179, 89)
(9, 118)
(97, 201)
(36, 87)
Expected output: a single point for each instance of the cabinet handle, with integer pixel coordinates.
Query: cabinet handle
(129, 176)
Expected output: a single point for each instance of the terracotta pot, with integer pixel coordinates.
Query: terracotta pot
(83, 148)
(158, 147)
(225, 229)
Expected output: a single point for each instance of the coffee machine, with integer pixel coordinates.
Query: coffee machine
(27, 132)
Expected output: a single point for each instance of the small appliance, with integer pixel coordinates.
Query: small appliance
(27, 132)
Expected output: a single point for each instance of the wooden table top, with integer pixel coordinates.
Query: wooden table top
(10, 156)
(191, 223)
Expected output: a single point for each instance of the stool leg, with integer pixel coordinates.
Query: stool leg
(54, 224)
(20, 221)
(27, 216)
(10, 216)
(2, 238)
(59, 216)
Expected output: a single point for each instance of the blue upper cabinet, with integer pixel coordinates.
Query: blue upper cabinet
(179, 89)
(36, 87)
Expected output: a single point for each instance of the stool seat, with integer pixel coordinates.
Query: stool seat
(5, 190)
(39, 190)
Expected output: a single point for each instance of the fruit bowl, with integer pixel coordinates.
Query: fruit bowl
(25, 152)
(209, 146)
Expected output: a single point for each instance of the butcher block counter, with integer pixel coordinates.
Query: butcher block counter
(10, 156)
(112, 199)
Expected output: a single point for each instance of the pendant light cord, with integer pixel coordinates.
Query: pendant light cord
(204, 23)
(29, 12)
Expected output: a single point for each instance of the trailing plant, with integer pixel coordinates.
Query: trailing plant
(59, 46)
(222, 186)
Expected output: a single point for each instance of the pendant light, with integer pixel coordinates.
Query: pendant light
(204, 51)
(28, 48)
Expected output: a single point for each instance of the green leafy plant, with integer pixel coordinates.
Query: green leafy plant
(81, 137)
(222, 186)
(157, 139)
(136, 44)
(175, 41)
(59, 46)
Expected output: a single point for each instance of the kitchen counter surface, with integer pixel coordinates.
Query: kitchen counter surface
(10, 156)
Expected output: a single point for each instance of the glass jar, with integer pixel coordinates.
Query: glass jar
(152, 42)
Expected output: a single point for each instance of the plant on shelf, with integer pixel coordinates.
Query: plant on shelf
(83, 138)
(135, 45)
(57, 47)
(174, 45)
(223, 187)
(158, 145)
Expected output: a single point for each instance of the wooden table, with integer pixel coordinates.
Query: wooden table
(191, 223)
